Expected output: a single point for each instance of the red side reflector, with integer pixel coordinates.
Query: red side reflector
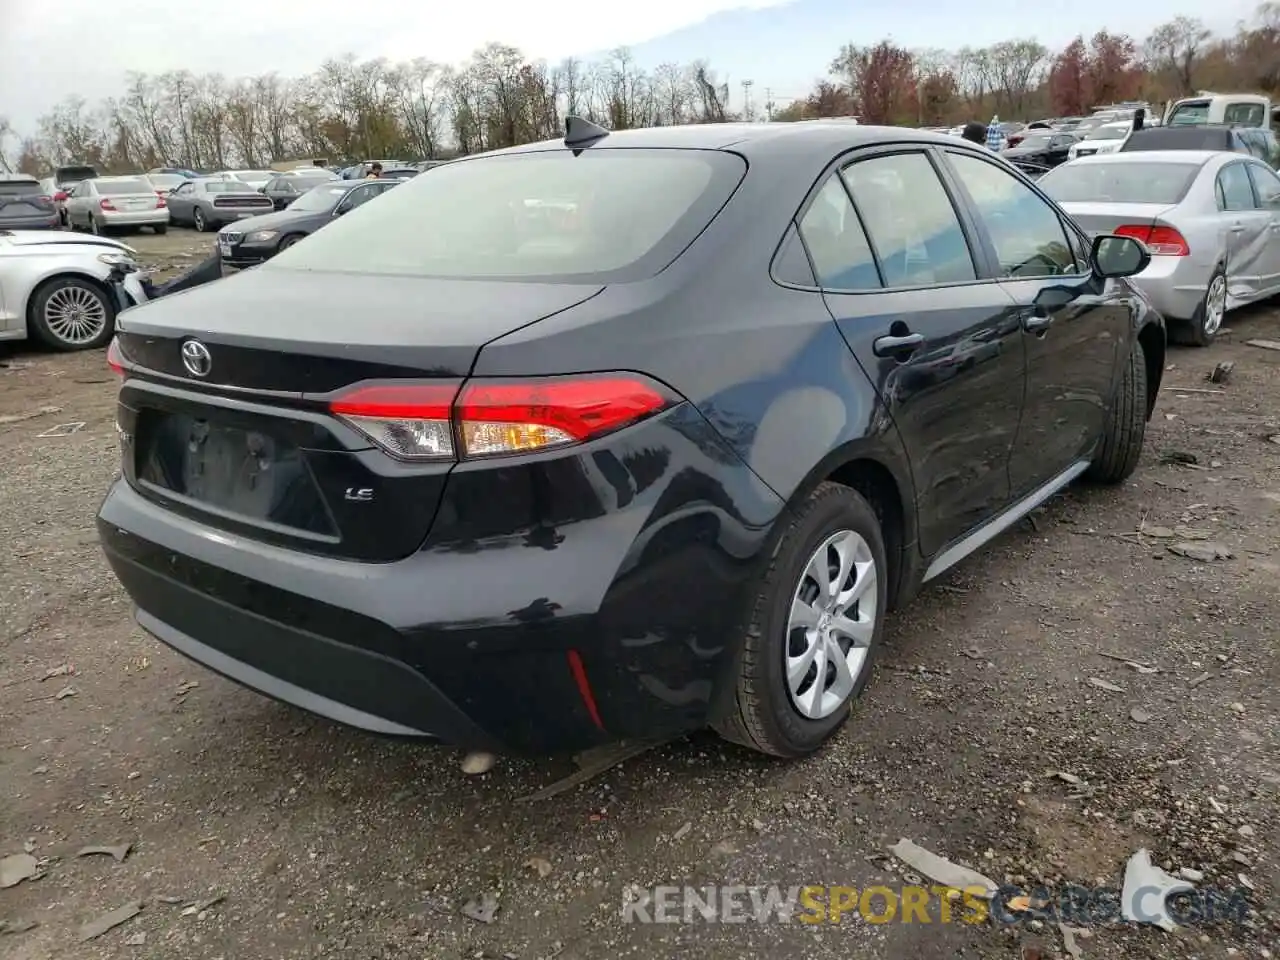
(1161, 241)
(579, 671)
(115, 359)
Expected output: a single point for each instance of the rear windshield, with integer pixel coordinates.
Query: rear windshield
(318, 199)
(1193, 138)
(603, 216)
(118, 188)
(1119, 182)
(19, 188)
(228, 186)
(1109, 133)
(166, 181)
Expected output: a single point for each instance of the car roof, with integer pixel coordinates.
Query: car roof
(17, 178)
(773, 138)
(1198, 157)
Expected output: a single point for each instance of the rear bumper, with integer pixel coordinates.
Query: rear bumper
(568, 635)
(51, 222)
(135, 218)
(1175, 285)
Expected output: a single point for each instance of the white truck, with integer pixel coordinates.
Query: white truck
(1235, 109)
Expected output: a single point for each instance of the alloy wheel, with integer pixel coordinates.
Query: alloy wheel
(197, 219)
(75, 314)
(832, 620)
(1215, 304)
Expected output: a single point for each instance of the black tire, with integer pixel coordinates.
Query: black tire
(288, 241)
(1126, 426)
(1192, 333)
(198, 221)
(39, 325)
(761, 715)
(161, 229)
(94, 227)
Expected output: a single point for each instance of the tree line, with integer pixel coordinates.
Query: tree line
(351, 110)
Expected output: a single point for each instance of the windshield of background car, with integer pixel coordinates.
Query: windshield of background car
(318, 199)
(254, 176)
(166, 181)
(606, 215)
(1039, 141)
(1109, 133)
(1119, 182)
(1189, 114)
(120, 188)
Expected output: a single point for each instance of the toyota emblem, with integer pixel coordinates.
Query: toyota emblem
(195, 357)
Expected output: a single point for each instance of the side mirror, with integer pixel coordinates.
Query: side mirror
(1114, 257)
(262, 190)
(340, 211)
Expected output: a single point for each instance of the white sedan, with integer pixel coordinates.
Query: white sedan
(55, 288)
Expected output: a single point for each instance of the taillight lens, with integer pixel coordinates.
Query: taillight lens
(161, 203)
(115, 359)
(488, 418)
(107, 205)
(1161, 241)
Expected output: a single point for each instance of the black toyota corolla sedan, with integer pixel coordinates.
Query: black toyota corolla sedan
(619, 436)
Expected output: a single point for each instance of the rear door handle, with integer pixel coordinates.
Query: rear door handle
(897, 347)
(1237, 227)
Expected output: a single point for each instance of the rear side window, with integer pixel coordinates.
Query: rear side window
(1235, 192)
(842, 257)
(606, 215)
(1245, 114)
(1025, 230)
(909, 218)
(1266, 184)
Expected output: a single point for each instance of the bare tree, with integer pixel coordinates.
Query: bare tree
(1174, 50)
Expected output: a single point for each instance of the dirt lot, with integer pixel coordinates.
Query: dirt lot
(325, 842)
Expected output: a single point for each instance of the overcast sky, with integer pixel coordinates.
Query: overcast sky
(49, 51)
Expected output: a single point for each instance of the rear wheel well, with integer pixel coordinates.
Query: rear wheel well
(877, 485)
(1153, 348)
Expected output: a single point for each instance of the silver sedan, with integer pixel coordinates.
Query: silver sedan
(1210, 219)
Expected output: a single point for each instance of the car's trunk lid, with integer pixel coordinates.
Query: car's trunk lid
(1100, 218)
(250, 447)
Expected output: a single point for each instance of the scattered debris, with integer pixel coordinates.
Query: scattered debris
(1237, 707)
(1105, 685)
(941, 870)
(1196, 681)
(117, 853)
(185, 687)
(1069, 935)
(1221, 373)
(1264, 344)
(18, 867)
(540, 864)
(61, 670)
(18, 926)
(1065, 777)
(29, 415)
(477, 762)
(1246, 882)
(1245, 830)
(1138, 715)
(62, 430)
(1195, 876)
(108, 921)
(1138, 665)
(171, 901)
(1178, 457)
(136, 939)
(682, 832)
(1141, 880)
(725, 848)
(482, 910)
(196, 908)
(1177, 390)
(1205, 552)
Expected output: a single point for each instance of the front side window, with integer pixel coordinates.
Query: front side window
(1025, 229)
(1235, 191)
(910, 221)
(605, 215)
(1266, 184)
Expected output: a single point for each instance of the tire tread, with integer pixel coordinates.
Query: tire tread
(1126, 429)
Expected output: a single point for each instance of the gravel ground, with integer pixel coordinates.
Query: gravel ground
(325, 842)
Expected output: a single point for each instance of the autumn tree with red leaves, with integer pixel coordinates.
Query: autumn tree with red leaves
(881, 81)
(1103, 71)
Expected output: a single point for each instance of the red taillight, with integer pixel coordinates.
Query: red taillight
(161, 202)
(60, 196)
(1161, 241)
(115, 359)
(106, 204)
(497, 417)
